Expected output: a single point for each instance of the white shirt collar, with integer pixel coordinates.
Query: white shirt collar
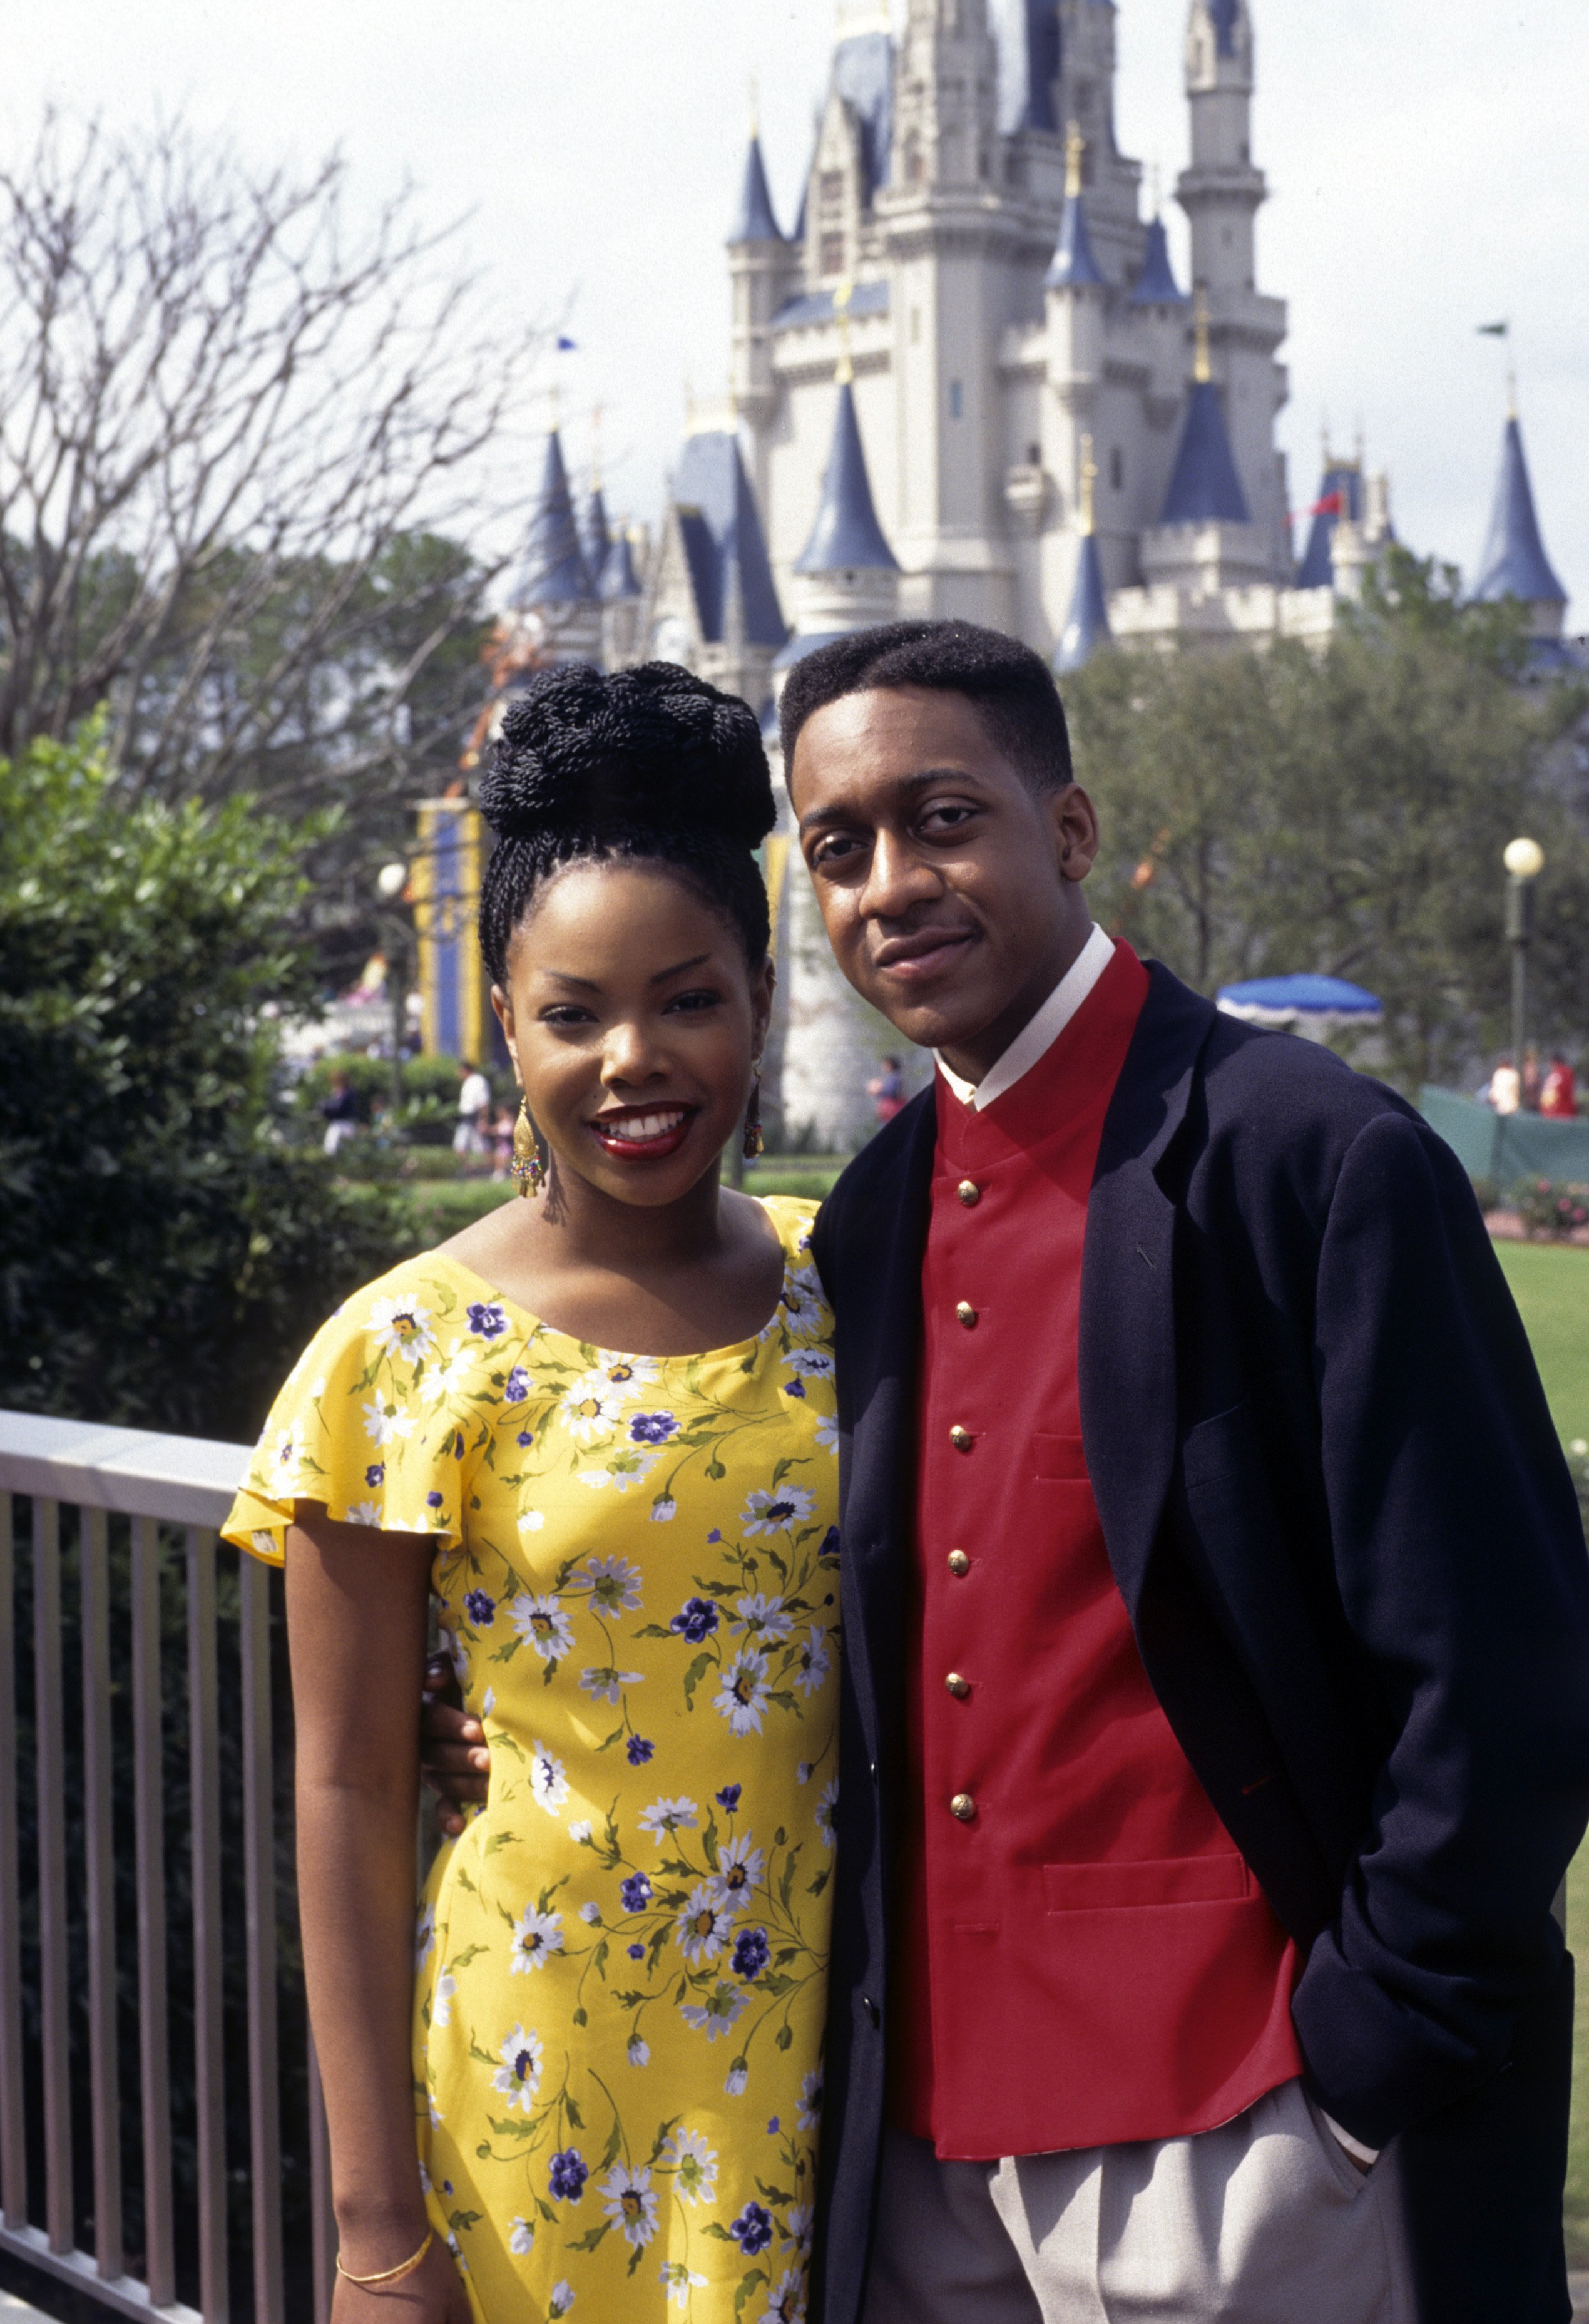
(1037, 1038)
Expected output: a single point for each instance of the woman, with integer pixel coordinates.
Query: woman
(597, 1427)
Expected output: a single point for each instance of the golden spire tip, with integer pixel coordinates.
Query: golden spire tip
(1202, 362)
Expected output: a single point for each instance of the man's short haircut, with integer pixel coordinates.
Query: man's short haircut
(1010, 688)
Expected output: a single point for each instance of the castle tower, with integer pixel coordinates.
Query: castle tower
(1087, 631)
(949, 241)
(595, 535)
(825, 1043)
(1221, 194)
(555, 593)
(1204, 542)
(618, 588)
(760, 266)
(1514, 563)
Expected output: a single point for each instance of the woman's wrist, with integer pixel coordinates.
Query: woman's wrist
(373, 2234)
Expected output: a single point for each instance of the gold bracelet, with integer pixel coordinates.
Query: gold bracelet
(389, 2275)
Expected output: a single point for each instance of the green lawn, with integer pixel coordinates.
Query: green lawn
(1551, 1287)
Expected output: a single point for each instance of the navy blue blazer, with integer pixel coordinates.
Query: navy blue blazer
(1339, 1516)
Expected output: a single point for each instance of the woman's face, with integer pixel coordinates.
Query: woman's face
(633, 1020)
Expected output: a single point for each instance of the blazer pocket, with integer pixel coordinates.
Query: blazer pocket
(1164, 1880)
(1059, 1459)
(1221, 1446)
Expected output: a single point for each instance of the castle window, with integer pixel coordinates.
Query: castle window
(912, 163)
(830, 190)
(832, 254)
(1034, 456)
(956, 399)
(1117, 469)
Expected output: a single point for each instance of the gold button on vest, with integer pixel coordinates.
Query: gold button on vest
(960, 1438)
(958, 1686)
(962, 1806)
(967, 1314)
(969, 1193)
(959, 1562)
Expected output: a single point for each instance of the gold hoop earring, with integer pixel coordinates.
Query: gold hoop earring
(753, 1141)
(527, 1170)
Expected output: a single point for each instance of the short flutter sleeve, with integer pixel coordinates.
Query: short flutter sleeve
(366, 1425)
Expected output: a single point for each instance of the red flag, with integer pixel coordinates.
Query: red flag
(1333, 504)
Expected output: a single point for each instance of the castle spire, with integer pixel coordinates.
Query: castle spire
(846, 537)
(1086, 629)
(1157, 285)
(1074, 266)
(756, 220)
(1514, 563)
(553, 570)
(1204, 486)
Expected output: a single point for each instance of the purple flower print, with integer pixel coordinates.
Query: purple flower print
(652, 1427)
(752, 1953)
(517, 1389)
(728, 1799)
(696, 1621)
(636, 1893)
(639, 1750)
(375, 1474)
(488, 1319)
(569, 2173)
(752, 2230)
(481, 1609)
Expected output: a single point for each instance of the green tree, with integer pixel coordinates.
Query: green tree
(1345, 812)
(163, 1255)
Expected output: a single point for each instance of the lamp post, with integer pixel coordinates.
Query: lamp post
(1524, 860)
(390, 885)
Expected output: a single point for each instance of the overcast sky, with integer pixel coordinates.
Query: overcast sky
(1419, 162)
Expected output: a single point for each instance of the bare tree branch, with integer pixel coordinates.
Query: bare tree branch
(225, 409)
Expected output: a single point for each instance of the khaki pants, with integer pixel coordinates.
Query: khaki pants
(1262, 2222)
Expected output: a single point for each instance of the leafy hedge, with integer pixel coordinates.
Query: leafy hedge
(163, 1253)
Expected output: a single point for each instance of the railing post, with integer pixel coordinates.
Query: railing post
(99, 1849)
(14, 2151)
(49, 1726)
(321, 2218)
(208, 2030)
(259, 1845)
(149, 1827)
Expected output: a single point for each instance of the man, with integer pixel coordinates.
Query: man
(1216, 1610)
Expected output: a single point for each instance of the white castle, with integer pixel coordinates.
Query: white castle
(967, 382)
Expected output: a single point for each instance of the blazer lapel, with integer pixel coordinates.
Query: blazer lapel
(1127, 1357)
(877, 1299)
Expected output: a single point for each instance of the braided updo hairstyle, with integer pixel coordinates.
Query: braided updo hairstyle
(648, 765)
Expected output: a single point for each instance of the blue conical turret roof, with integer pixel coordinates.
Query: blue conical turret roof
(1226, 15)
(618, 578)
(1204, 488)
(846, 537)
(1514, 563)
(755, 220)
(1088, 628)
(1157, 285)
(595, 535)
(1074, 266)
(1318, 568)
(554, 571)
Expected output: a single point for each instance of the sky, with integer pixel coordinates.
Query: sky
(1418, 161)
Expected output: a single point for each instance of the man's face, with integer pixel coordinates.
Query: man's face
(949, 888)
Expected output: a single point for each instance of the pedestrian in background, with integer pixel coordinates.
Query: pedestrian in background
(474, 1097)
(1506, 1087)
(887, 1091)
(1559, 1099)
(341, 1112)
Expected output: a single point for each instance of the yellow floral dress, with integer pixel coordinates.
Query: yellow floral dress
(621, 1962)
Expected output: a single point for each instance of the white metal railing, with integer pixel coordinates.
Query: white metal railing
(130, 1518)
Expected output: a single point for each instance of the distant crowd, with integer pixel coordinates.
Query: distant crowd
(1552, 1092)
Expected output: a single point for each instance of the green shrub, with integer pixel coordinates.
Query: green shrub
(164, 1252)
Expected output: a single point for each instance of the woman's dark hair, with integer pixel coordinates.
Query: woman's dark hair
(1011, 689)
(649, 765)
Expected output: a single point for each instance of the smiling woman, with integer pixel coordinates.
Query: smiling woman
(599, 1428)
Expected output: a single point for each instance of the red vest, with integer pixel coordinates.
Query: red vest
(1085, 1958)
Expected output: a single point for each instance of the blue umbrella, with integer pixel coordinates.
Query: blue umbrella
(1318, 1002)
